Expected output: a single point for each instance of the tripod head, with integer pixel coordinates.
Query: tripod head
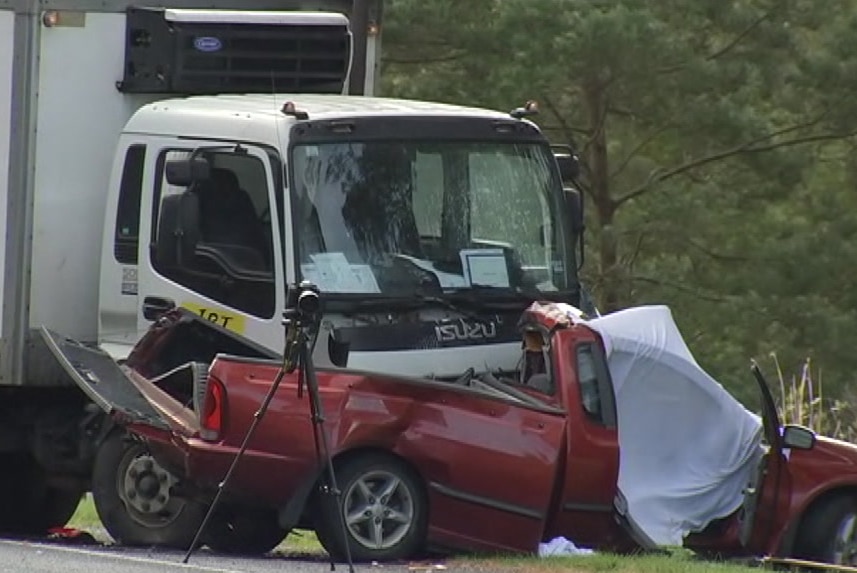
(302, 314)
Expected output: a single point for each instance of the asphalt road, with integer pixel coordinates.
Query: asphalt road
(50, 557)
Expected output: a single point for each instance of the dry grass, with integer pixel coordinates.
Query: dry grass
(802, 401)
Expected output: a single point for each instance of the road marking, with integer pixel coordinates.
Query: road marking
(111, 555)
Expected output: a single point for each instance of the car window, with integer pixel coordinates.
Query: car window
(595, 385)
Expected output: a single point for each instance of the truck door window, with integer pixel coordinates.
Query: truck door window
(233, 257)
(126, 235)
(596, 387)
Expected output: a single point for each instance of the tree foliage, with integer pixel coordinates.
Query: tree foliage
(717, 142)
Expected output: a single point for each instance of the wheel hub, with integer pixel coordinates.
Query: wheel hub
(379, 510)
(146, 485)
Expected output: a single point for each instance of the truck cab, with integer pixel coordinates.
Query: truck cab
(423, 225)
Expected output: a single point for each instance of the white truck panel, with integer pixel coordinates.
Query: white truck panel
(255, 17)
(81, 114)
(7, 38)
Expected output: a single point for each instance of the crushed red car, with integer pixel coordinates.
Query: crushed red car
(609, 434)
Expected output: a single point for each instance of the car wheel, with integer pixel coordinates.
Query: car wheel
(384, 506)
(30, 505)
(829, 532)
(244, 531)
(134, 497)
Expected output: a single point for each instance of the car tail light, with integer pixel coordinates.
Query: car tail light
(213, 410)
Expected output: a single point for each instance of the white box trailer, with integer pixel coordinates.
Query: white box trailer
(72, 73)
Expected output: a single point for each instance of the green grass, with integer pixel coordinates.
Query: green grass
(86, 518)
(679, 561)
(301, 542)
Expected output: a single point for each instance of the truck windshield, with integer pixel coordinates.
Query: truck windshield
(397, 218)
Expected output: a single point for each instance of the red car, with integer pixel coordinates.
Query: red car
(609, 435)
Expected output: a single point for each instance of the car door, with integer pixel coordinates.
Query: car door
(763, 497)
(585, 510)
(490, 465)
(215, 246)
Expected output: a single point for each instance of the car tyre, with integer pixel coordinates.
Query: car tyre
(828, 533)
(30, 506)
(244, 531)
(134, 499)
(385, 508)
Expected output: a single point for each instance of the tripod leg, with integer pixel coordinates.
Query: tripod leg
(317, 413)
(257, 417)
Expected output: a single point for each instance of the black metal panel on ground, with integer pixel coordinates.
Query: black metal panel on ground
(101, 378)
(187, 57)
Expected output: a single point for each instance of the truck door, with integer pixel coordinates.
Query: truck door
(216, 244)
(585, 512)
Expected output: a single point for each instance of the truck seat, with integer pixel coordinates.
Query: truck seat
(228, 217)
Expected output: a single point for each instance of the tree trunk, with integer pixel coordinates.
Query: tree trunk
(609, 270)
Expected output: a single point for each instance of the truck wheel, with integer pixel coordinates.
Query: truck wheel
(385, 510)
(244, 531)
(829, 532)
(30, 505)
(134, 498)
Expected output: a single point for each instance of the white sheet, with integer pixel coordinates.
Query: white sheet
(687, 447)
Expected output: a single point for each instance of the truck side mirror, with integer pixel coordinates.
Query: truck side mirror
(184, 172)
(569, 167)
(568, 163)
(574, 202)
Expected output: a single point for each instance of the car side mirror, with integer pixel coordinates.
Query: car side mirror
(184, 172)
(798, 437)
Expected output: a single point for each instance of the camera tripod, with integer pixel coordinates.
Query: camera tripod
(301, 320)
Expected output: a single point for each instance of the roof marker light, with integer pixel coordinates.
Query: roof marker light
(50, 18)
(290, 109)
(530, 108)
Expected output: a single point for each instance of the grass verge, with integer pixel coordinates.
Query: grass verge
(305, 543)
(679, 561)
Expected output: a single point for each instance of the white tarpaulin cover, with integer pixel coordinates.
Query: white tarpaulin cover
(687, 447)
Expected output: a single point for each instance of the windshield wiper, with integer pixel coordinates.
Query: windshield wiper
(417, 301)
(494, 298)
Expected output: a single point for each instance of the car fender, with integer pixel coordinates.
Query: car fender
(782, 542)
(290, 514)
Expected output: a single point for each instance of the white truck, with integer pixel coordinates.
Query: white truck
(209, 154)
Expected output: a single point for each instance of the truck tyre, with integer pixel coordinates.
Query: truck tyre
(243, 531)
(134, 498)
(30, 505)
(828, 533)
(385, 509)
